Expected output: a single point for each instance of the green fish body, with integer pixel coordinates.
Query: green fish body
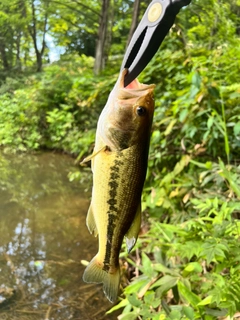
(119, 164)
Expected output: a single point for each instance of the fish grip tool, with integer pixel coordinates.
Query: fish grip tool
(150, 33)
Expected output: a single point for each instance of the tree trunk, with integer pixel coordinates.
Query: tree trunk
(102, 32)
(135, 16)
(108, 40)
(4, 56)
(18, 44)
(33, 33)
(23, 13)
(39, 61)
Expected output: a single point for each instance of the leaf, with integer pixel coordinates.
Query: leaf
(210, 122)
(196, 79)
(189, 312)
(181, 164)
(151, 300)
(228, 175)
(120, 305)
(164, 284)
(159, 316)
(175, 315)
(164, 280)
(236, 129)
(192, 267)
(161, 268)
(213, 250)
(145, 311)
(128, 316)
(170, 127)
(216, 313)
(188, 295)
(145, 289)
(190, 248)
(147, 265)
(214, 91)
(199, 164)
(183, 115)
(134, 301)
(206, 301)
(193, 92)
(137, 284)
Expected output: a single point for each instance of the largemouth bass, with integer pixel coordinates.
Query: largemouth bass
(119, 164)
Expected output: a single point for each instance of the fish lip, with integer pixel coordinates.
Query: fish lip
(135, 86)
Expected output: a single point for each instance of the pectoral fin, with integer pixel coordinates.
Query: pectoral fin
(91, 224)
(93, 155)
(132, 234)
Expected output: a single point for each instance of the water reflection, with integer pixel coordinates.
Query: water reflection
(43, 237)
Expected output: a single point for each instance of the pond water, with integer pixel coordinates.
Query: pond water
(43, 238)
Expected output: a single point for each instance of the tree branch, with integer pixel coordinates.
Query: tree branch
(74, 9)
(32, 29)
(45, 29)
(85, 6)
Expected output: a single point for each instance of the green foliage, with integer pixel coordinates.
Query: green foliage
(189, 258)
(57, 109)
(18, 122)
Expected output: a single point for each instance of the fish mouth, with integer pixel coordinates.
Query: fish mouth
(134, 90)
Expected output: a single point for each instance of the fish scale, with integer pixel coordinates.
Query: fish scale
(125, 202)
(128, 201)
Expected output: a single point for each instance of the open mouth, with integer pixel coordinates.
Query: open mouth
(134, 90)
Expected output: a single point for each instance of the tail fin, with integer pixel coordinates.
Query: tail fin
(94, 273)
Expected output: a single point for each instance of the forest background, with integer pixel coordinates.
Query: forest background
(58, 62)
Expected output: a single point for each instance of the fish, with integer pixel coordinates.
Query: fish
(119, 164)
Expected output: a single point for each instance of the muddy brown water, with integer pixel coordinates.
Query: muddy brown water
(43, 238)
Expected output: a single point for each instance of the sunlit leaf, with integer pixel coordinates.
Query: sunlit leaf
(188, 295)
(120, 305)
(205, 301)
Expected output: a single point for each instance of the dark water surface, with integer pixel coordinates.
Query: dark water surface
(43, 238)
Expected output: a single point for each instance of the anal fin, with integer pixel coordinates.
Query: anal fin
(132, 234)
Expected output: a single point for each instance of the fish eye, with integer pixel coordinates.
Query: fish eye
(141, 111)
